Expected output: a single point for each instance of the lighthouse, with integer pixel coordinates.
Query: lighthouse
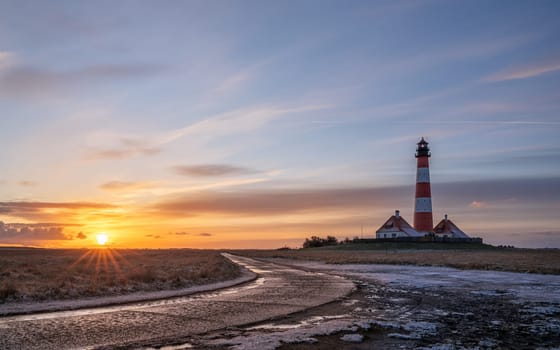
(423, 220)
(396, 226)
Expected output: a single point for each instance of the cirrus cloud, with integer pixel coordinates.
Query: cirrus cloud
(525, 71)
(126, 148)
(203, 170)
(478, 205)
(117, 186)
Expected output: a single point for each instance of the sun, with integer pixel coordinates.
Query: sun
(102, 238)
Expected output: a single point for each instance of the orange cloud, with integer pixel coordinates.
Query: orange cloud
(51, 211)
(203, 234)
(478, 205)
(124, 185)
(212, 217)
(26, 183)
(276, 202)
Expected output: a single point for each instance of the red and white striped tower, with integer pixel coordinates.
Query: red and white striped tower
(423, 220)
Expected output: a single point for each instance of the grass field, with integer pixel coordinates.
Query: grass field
(54, 274)
(545, 261)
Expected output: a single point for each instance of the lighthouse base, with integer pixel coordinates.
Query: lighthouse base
(424, 222)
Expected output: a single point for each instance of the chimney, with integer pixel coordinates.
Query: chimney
(445, 217)
(397, 213)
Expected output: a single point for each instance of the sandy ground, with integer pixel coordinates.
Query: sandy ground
(410, 307)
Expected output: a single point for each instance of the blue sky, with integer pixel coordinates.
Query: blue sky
(135, 106)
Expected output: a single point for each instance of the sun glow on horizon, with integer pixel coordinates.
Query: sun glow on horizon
(102, 238)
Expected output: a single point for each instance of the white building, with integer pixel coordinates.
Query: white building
(395, 227)
(447, 229)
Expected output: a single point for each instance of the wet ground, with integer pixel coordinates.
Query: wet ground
(391, 307)
(408, 307)
(278, 291)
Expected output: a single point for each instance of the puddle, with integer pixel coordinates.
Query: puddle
(256, 283)
(350, 302)
(307, 322)
(496, 292)
(173, 347)
(130, 307)
(275, 326)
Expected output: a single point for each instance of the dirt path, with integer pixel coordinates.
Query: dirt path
(278, 291)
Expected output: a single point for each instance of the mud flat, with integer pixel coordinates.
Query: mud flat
(412, 307)
(279, 291)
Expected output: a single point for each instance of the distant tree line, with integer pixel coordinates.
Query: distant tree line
(316, 241)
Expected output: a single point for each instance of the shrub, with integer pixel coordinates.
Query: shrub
(316, 241)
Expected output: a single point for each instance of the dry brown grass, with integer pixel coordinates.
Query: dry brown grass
(51, 274)
(517, 260)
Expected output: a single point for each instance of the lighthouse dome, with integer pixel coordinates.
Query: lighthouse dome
(422, 150)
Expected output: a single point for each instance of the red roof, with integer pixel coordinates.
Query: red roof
(396, 224)
(447, 227)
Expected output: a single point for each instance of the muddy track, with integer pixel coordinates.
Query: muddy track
(414, 302)
(278, 291)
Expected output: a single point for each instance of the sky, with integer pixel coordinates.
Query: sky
(255, 124)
